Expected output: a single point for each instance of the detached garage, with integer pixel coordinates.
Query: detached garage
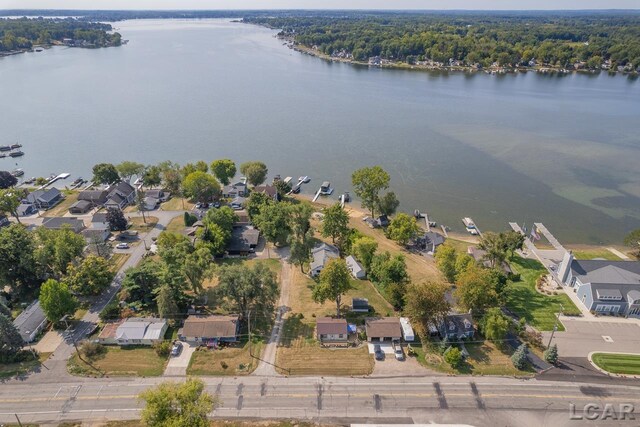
(380, 329)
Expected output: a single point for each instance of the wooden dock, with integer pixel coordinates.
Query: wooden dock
(550, 237)
(64, 175)
(317, 195)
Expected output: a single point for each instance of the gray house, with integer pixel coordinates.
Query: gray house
(457, 326)
(209, 330)
(356, 269)
(31, 322)
(238, 189)
(80, 207)
(605, 287)
(44, 199)
(120, 195)
(134, 331)
(58, 223)
(321, 256)
(95, 197)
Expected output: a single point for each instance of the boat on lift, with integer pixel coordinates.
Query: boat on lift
(16, 146)
(17, 172)
(16, 153)
(5, 147)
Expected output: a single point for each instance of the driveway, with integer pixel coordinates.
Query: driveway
(582, 337)
(49, 342)
(177, 366)
(392, 367)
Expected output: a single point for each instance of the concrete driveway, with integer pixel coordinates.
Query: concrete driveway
(582, 337)
(177, 366)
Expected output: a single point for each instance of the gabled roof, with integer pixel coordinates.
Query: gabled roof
(457, 323)
(123, 188)
(57, 223)
(269, 190)
(94, 196)
(29, 320)
(611, 274)
(49, 195)
(81, 204)
(322, 254)
(584, 268)
(210, 326)
(327, 325)
(383, 327)
(353, 265)
(99, 217)
(137, 328)
(243, 239)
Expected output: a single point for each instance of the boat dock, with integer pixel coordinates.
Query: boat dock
(54, 179)
(317, 195)
(550, 237)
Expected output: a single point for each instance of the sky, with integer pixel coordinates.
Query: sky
(321, 4)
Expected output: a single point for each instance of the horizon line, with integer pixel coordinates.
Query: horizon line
(321, 10)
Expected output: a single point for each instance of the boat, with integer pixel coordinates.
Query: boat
(5, 147)
(325, 188)
(468, 222)
(304, 179)
(345, 197)
(17, 172)
(288, 179)
(16, 153)
(78, 181)
(296, 189)
(16, 146)
(30, 180)
(2, 155)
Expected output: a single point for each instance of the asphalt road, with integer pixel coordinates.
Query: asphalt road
(475, 401)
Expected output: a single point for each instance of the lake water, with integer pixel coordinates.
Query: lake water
(524, 147)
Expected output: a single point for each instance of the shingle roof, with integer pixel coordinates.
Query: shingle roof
(353, 265)
(49, 195)
(327, 325)
(136, 328)
(383, 327)
(322, 254)
(29, 320)
(56, 223)
(243, 239)
(94, 196)
(210, 326)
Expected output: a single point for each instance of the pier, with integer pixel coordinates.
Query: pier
(64, 175)
(317, 194)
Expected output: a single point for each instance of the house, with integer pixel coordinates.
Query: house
(456, 327)
(243, 241)
(269, 190)
(320, 256)
(160, 195)
(238, 203)
(120, 195)
(380, 329)
(44, 199)
(25, 209)
(357, 271)
(151, 203)
(479, 256)
(99, 219)
(4, 221)
(80, 207)
(134, 331)
(381, 221)
(58, 223)
(360, 305)
(96, 235)
(611, 287)
(211, 329)
(95, 197)
(243, 218)
(430, 241)
(239, 189)
(31, 322)
(332, 331)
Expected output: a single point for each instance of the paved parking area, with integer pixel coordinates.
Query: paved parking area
(49, 342)
(582, 337)
(177, 366)
(387, 348)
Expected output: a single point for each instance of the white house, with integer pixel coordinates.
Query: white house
(320, 257)
(357, 271)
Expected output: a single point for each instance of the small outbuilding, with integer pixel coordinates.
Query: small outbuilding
(407, 330)
(357, 271)
(360, 305)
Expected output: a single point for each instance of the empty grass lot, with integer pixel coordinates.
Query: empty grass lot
(116, 361)
(236, 358)
(618, 363)
(300, 354)
(138, 224)
(525, 301)
(176, 225)
(177, 204)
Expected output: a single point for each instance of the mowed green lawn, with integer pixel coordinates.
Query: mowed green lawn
(618, 363)
(523, 299)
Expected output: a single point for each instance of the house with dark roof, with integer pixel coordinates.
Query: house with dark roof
(269, 190)
(160, 195)
(80, 207)
(31, 322)
(58, 223)
(360, 305)
(332, 331)
(243, 241)
(95, 197)
(320, 257)
(603, 286)
(381, 329)
(26, 209)
(44, 199)
(120, 195)
(209, 330)
(457, 326)
(430, 241)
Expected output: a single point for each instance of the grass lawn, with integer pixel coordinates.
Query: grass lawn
(176, 225)
(618, 363)
(137, 223)
(524, 300)
(117, 261)
(236, 358)
(596, 253)
(117, 361)
(300, 354)
(176, 204)
(70, 197)
(484, 359)
(9, 370)
(459, 245)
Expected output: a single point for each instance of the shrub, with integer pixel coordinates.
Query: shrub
(92, 349)
(551, 354)
(453, 356)
(224, 364)
(110, 312)
(162, 348)
(189, 219)
(519, 357)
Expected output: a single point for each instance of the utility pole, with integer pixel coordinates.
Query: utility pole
(555, 326)
(18, 419)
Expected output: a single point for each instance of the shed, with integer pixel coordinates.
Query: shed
(360, 305)
(80, 207)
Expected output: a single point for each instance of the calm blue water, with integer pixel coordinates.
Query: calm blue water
(561, 150)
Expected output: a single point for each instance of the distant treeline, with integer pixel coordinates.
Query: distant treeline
(591, 40)
(23, 33)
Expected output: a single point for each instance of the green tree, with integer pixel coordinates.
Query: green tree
(166, 302)
(551, 354)
(128, 169)
(201, 187)
(140, 283)
(105, 173)
(367, 183)
(177, 404)
(391, 273)
(7, 180)
(300, 249)
(256, 203)
(453, 356)
(499, 246)
(18, 266)
(56, 249)
(214, 238)
(10, 199)
(513, 241)
(248, 288)
(476, 290)
(335, 223)
(198, 166)
(426, 304)
(116, 220)
(633, 241)
(364, 248)
(495, 325)
(335, 281)
(92, 276)
(197, 267)
(10, 340)
(56, 300)
(256, 172)
(519, 357)
(223, 170)
(403, 227)
(224, 218)
(152, 176)
(388, 204)
(273, 222)
(446, 262)
(463, 261)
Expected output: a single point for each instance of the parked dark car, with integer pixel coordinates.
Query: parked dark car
(377, 350)
(176, 349)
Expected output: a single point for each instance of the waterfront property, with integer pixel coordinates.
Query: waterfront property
(95, 197)
(603, 286)
(58, 223)
(430, 241)
(456, 327)
(269, 190)
(80, 207)
(30, 322)
(44, 199)
(120, 195)
(332, 331)
(381, 329)
(210, 330)
(26, 209)
(320, 257)
(134, 331)
(238, 189)
(479, 256)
